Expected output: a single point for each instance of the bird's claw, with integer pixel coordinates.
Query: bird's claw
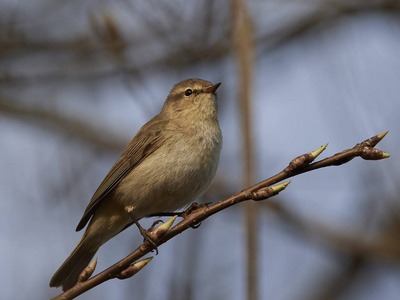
(154, 225)
(148, 238)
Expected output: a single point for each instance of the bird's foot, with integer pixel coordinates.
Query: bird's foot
(148, 237)
(195, 206)
(154, 225)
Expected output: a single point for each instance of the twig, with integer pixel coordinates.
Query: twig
(260, 191)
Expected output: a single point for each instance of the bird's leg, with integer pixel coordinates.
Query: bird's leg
(182, 214)
(145, 233)
(166, 214)
(193, 207)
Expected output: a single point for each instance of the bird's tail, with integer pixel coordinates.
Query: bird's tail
(68, 273)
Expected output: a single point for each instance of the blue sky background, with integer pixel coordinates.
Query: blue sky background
(338, 83)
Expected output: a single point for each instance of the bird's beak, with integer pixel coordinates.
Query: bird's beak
(213, 88)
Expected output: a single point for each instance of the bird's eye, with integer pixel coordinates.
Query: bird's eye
(188, 92)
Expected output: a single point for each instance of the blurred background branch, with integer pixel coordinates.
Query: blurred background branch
(78, 79)
(242, 38)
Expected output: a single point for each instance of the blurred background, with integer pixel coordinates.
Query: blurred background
(78, 80)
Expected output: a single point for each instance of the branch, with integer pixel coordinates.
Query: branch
(243, 45)
(196, 214)
(68, 125)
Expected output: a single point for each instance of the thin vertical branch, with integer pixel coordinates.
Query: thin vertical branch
(242, 35)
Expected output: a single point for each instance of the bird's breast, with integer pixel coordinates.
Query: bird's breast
(174, 175)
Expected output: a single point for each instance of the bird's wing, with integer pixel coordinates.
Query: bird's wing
(141, 146)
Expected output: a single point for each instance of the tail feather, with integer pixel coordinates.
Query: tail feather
(108, 220)
(67, 274)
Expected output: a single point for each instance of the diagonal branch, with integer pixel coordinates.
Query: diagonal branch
(125, 268)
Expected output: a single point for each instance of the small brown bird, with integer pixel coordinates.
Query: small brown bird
(166, 166)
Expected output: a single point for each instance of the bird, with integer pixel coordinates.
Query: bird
(170, 162)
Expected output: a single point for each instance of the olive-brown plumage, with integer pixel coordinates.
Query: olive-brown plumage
(170, 161)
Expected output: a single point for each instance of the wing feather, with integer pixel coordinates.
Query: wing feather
(145, 143)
